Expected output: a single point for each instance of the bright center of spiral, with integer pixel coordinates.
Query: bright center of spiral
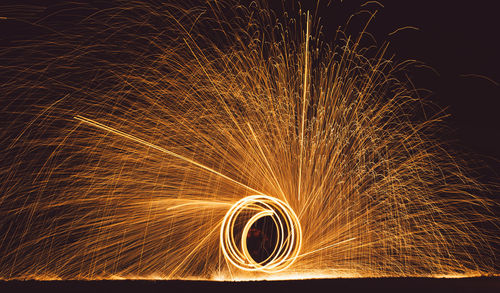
(261, 233)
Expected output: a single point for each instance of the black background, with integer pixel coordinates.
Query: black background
(459, 40)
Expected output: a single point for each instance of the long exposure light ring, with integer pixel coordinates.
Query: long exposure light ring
(289, 234)
(227, 141)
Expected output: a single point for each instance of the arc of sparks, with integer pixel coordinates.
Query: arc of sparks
(289, 231)
(161, 149)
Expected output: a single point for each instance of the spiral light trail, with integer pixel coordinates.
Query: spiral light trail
(287, 247)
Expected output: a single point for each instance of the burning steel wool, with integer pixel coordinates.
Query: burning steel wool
(224, 142)
(287, 246)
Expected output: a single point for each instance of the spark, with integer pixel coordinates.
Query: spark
(304, 101)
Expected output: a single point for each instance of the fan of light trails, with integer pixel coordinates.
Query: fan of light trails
(148, 139)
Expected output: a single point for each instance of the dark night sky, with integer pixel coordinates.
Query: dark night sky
(459, 40)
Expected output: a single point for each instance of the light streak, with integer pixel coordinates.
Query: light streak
(304, 102)
(289, 240)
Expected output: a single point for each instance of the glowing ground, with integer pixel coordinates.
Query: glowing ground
(481, 284)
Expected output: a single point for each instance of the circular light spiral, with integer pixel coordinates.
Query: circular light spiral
(240, 218)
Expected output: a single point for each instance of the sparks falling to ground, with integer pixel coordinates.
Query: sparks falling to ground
(223, 142)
